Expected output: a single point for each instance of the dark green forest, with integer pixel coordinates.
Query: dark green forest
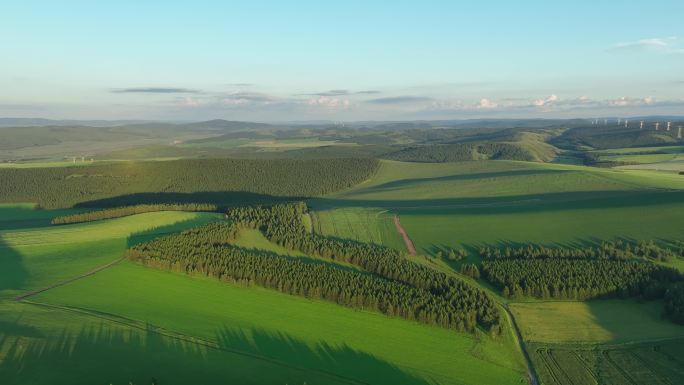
(611, 270)
(217, 181)
(462, 152)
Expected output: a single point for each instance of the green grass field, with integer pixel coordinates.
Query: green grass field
(361, 224)
(103, 327)
(126, 323)
(35, 257)
(599, 321)
(490, 203)
(292, 330)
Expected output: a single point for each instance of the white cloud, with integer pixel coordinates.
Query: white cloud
(487, 104)
(551, 99)
(663, 44)
(328, 102)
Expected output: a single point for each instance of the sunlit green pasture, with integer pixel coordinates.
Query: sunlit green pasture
(366, 346)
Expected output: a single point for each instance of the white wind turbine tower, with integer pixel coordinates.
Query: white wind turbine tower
(668, 125)
(626, 123)
(641, 125)
(656, 125)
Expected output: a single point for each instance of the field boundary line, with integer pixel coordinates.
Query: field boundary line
(148, 327)
(65, 282)
(532, 375)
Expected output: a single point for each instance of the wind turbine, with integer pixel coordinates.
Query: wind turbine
(656, 125)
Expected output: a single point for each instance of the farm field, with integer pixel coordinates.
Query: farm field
(648, 363)
(221, 325)
(592, 322)
(484, 203)
(361, 224)
(34, 257)
(362, 345)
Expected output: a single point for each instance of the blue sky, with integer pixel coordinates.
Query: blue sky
(351, 60)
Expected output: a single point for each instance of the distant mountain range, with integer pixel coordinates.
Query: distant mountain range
(229, 125)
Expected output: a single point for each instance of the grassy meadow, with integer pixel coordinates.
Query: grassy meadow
(130, 323)
(365, 346)
(362, 224)
(102, 327)
(472, 204)
(592, 322)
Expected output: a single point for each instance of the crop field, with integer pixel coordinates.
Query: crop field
(598, 321)
(648, 363)
(490, 203)
(361, 224)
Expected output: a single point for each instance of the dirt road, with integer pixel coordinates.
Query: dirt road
(407, 241)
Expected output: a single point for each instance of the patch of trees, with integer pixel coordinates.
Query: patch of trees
(200, 180)
(282, 224)
(462, 152)
(612, 250)
(578, 279)
(119, 212)
(673, 307)
(390, 283)
(613, 269)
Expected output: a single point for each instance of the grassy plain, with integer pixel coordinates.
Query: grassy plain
(313, 335)
(472, 204)
(361, 224)
(599, 321)
(129, 323)
(38, 256)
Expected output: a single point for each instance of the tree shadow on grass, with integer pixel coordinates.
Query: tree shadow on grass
(177, 227)
(116, 355)
(340, 360)
(13, 273)
(461, 177)
(223, 199)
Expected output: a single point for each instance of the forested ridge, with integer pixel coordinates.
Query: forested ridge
(462, 152)
(116, 184)
(616, 269)
(395, 286)
(119, 212)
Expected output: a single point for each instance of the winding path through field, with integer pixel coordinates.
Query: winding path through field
(407, 241)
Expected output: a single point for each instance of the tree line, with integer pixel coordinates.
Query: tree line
(462, 152)
(606, 250)
(612, 269)
(578, 279)
(390, 283)
(116, 184)
(119, 212)
(282, 224)
(673, 307)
